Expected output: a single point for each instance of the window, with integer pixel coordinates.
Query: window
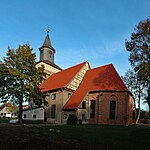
(25, 116)
(34, 116)
(41, 55)
(65, 116)
(92, 115)
(83, 117)
(112, 110)
(84, 105)
(69, 95)
(53, 109)
(50, 52)
(53, 96)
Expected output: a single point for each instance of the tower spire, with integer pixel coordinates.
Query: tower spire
(46, 50)
(47, 42)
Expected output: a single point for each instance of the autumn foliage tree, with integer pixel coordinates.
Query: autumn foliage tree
(135, 85)
(139, 48)
(19, 77)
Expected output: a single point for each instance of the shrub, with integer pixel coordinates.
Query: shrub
(72, 119)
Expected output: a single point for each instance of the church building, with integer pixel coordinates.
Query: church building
(94, 95)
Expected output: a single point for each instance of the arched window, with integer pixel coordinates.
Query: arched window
(92, 114)
(112, 109)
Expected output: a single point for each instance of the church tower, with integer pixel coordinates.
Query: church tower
(47, 57)
(46, 50)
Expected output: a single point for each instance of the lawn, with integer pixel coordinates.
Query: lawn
(111, 137)
(78, 137)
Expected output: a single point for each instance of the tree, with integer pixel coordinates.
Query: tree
(20, 78)
(11, 107)
(139, 48)
(134, 84)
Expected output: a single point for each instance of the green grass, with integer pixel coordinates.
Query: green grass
(135, 137)
(113, 137)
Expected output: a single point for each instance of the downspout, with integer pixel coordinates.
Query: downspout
(88, 107)
(62, 106)
(62, 96)
(97, 117)
(99, 110)
(127, 109)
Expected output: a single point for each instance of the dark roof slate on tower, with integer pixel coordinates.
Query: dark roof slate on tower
(47, 43)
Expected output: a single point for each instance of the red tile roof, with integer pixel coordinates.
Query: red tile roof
(61, 79)
(103, 78)
(25, 107)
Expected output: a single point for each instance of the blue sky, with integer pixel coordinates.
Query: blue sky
(80, 30)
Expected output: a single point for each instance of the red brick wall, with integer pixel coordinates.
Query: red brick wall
(124, 108)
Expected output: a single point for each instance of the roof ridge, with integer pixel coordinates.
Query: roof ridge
(78, 72)
(107, 65)
(114, 69)
(103, 78)
(76, 65)
(119, 77)
(69, 68)
(61, 78)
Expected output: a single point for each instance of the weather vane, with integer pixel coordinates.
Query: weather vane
(48, 31)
